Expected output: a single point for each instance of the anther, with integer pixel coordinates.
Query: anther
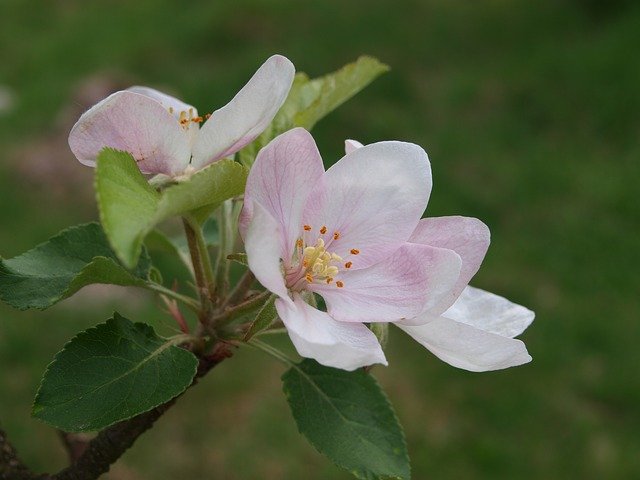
(308, 278)
(339, 284)
(307, 228)
(336, 235)
(355, 251)
(299, 243)
(348, 265)
(329, 280)
(323, 230)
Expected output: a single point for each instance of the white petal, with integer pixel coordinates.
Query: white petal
(466, 236)
(263, 247)
(281, 178)
(136, 124)
(414, 278)
(373, 197)
(245, 117)
(490, 312)
(316, 335)
(351, 145)
(466, 347)
(173, 105)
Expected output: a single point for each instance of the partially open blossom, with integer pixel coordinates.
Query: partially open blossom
(164, 135)
(471, 328)
(343, 234)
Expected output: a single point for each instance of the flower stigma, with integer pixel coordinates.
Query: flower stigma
(313, 263)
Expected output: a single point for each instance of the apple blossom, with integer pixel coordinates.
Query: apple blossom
(343, 234)
(163, 133)
(471, 329)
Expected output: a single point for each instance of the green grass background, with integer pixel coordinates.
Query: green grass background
(530, 114)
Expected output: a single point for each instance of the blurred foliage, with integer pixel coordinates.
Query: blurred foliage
(529, 111)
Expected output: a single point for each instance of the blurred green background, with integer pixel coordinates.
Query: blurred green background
(530, 114)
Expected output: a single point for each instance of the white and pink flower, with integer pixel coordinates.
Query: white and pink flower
(163, 133)
(353, 235)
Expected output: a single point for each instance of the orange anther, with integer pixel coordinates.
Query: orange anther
(348, 265)
(299, 243)
(323, 230)
(355, 251)
(309, 278)
(336, 235)
(339, 284)
(329, 280)
(307, 228)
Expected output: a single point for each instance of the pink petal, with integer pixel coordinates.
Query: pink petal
(373, 197)
(466, 236)
(245, 117)
(284, 173)
(351, 145)
(334, 344)
(263, 246)
(174, 105)
(467, 347)
(136, 124)
(409, 281)
(490, 312)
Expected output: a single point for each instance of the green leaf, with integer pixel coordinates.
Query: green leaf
(110, 373)
(126, 201)
(130, 208)
(331, 91)
(265, 317)
(203, 192)
(58, 268)
(347, 417)
(311, 100)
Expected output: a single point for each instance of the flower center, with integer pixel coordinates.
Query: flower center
(186, 117)
(315, 264)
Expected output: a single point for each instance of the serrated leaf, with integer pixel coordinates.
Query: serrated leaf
(265, 317)
(110, 373)
(58, 268)
(130, 208)
(310, 100)
(347, 417)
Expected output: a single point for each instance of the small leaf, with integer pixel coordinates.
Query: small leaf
(311, 100)
(265, 317)
(240, 258)
(334, 89)
(347, 417)
(126, 201)
(110, 373)
(58, 268)
(130, 208)
(203, 192)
